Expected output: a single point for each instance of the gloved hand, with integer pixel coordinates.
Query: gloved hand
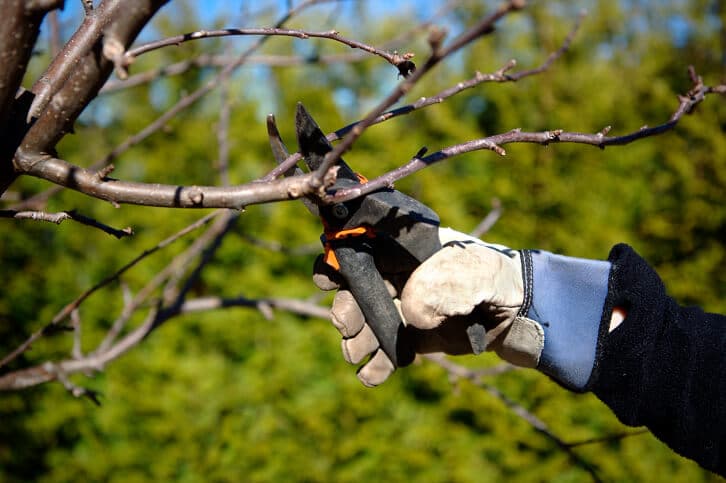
(533, 308)
(468, 285)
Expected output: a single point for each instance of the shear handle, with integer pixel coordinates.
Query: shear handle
(358, 268)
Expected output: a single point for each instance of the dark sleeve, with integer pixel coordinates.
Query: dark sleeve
(664, 367)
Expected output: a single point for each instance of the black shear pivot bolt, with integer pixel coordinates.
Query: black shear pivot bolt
(340, 211)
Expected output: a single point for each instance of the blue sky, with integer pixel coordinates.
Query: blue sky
(217, 13)
(208, 12)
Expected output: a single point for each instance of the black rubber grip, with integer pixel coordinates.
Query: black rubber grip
(358, 268)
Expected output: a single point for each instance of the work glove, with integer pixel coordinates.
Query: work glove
(533, 308)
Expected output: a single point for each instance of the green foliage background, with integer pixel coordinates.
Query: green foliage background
(229, 396)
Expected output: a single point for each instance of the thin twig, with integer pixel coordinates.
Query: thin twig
(609, 437)
(215, 235)
(488, 221)
(194, 96)
(174, 269)
(210, 60)
(293, 306)
(501, 75)
(56, 218)
(485, 26)
(223, 134)
(207, 60)
(57, 372)
(542, 428)
(554, 55)
(274, 246)
(97, 360)
(393, 58)
(494, 143)
(54, 42)
(120, 322)
(60, 217)
(76, 352)
(458, 371)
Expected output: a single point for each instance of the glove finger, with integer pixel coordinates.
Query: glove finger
(357, 348)
(377, 370)
(326, 277)
(346, 314)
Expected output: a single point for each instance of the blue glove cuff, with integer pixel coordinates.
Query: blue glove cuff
(566, 296)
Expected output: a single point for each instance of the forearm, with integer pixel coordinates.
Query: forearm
(610, 328)
(664, 366)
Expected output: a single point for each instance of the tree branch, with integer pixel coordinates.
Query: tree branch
(68, 309)
(500, 76)
(394, 59)
(194, 96)
(494, 143)
(225, 110)
(19, 29)
(485, 26)
(19, 25)
(210, 60)
(59, 374)
(170, 274)
(294, 306)
(488, 221)
(207, 60)
(94, 184)
(69, 58)
(110, 348)
(60, 217)
(46, 372)
(72, 84)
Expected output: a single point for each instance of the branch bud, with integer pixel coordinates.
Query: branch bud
(436, 38)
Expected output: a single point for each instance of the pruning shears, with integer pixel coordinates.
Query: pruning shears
(385, 230)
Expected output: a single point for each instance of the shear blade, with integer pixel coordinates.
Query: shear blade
(280, 153)
(314, 145)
